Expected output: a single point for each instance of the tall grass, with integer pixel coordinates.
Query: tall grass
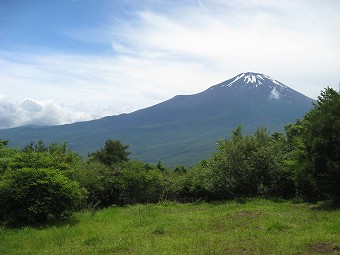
(255, 227)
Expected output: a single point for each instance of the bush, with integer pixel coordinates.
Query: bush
(140, 184)
(99, 181)
(250, 165)
(126, 183)
(31, 196)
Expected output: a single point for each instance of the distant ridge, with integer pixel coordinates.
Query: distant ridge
(184, 129)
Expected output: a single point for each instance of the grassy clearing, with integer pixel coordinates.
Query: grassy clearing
(255, 227)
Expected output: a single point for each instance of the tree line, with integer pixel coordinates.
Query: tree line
(42, 182)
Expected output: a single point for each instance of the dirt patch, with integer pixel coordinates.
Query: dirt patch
(245, 214)
(323, 248)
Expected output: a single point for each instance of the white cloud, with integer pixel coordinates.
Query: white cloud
(30, 106)
(32, 112)
(274, 94)
(294, 41)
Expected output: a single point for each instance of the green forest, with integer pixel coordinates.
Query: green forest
(40, 182)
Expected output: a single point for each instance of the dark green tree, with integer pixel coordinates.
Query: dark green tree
(3, 143)
(321, 136)
(160, 166)
(35, 147)
(113, 152)
(296, 163)
(180, 169)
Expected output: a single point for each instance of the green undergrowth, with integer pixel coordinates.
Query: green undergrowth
(255, 226)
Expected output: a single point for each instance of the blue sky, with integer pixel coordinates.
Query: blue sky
(71, 60)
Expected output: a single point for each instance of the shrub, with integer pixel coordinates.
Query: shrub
(140, 185)
(31, 196)
(200, 182)
(250, 166)
(99, 181)
(128, 183)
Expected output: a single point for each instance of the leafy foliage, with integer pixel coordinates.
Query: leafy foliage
(113, 152)
(313, 149)
(248, 166)
(99, 182)
(7, 157)
(322, 141)
(3, 143)
(29, 196)
(38, 155)
(296, 162)
(140, 185)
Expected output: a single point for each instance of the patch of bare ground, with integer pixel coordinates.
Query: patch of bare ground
(323, 248)
(246, 214)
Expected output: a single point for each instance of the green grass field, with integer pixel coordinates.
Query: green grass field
(255, 227)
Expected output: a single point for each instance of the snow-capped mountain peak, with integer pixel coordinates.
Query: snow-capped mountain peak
(250, 78)
(254, 84)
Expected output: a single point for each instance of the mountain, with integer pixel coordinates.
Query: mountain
(184, 129)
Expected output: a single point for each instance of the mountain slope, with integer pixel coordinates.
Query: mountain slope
(184, 129)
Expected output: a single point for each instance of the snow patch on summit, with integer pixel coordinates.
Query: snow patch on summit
(256, 80)
(250, 78)
(236, 79)
(275, 81)
(259, 77)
